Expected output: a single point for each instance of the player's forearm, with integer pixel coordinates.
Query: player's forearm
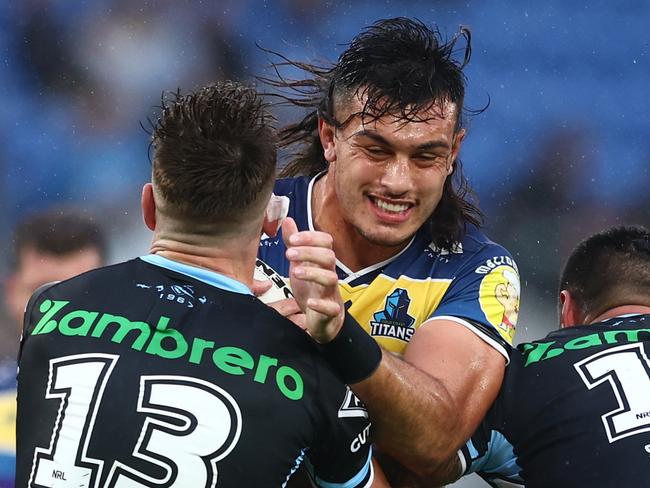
(414, 417)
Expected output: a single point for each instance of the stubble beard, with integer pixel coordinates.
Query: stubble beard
(382, 239)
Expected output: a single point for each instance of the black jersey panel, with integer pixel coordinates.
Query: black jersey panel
(135, 373)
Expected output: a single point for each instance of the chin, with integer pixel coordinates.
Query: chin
(387, 239)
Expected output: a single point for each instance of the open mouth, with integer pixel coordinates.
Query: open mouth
(390, 207)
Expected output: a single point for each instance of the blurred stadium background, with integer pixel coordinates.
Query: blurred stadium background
(563, 149)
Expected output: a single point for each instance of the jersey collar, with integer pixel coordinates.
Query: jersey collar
(350, 275)
(206, 276)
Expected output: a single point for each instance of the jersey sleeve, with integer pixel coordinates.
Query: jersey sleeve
(484, 297)
(341, 456)
(27, 325)
(489, 454)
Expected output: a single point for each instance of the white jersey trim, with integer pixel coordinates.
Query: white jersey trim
(463, 463)
(351, 275)
(476, 331)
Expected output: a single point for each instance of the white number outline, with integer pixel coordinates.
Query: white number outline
(185, 425)
(95, 465)
(611, 377)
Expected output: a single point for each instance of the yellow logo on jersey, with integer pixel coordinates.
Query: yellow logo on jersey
(499, 296)
(391, 310)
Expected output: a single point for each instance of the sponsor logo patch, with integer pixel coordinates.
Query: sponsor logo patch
(499, 296)
(352, 406)
(394, 320)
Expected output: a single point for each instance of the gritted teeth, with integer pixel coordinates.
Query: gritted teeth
(391, 207)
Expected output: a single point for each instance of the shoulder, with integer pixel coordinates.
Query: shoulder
(475, 250)
(81, 282)
(291, 186)
(475, 260)
(479, 248)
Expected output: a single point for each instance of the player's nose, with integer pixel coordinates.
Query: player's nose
(397, 178)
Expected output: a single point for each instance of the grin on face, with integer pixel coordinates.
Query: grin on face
(389, 174)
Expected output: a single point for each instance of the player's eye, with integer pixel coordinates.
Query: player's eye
(376, 151)
(430, 159)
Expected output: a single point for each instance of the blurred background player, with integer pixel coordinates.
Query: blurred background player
(49, 245)
(378, 159)
(575, 406)
(165, 369)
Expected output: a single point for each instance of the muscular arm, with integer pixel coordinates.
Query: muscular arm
(425, 407)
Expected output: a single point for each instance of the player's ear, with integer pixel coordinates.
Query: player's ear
(148, 205)
(326, 133)
(571, 314)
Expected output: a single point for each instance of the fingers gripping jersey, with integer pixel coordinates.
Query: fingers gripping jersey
(475, 284)
(574, 410)
(153, 373)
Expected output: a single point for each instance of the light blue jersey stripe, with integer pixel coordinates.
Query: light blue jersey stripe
(499, 457)
(352, 482)
(210, 277)
(296, 465)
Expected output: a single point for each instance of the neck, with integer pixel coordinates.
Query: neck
(350, 247)
(617, 311)
(232, 259)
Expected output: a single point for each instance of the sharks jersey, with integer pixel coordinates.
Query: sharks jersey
(475, 284)
(574, 410)
(155, 373)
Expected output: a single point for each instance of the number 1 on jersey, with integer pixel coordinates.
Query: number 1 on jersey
(79, 382)
(627, 369)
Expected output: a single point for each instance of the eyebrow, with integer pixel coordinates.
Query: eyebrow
(381, 140)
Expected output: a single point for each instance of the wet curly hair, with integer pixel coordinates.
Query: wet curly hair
(403, 68)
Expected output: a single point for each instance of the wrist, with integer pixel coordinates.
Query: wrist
(331, 332)
(352, 353)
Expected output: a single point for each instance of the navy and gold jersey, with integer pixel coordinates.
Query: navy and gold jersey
(573, 411)
(155, 373)
(475, 284)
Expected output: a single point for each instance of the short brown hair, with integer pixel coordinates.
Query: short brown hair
(609, 269)
(214, 152)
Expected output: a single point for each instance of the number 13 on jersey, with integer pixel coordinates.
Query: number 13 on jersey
(205, 426)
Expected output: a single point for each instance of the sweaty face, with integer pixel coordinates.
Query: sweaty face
(389, 174)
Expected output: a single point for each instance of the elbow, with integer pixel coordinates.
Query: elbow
(435, 444)
(437, 468)
(433, 468)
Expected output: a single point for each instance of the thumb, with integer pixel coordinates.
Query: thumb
(289, 228)
(260, 287)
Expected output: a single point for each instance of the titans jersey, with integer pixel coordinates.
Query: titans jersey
(476, 284)
(152, 373)
(7, 423)
(573, 411)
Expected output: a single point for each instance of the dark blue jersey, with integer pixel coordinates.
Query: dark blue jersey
(153, 373)
(573, 411)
